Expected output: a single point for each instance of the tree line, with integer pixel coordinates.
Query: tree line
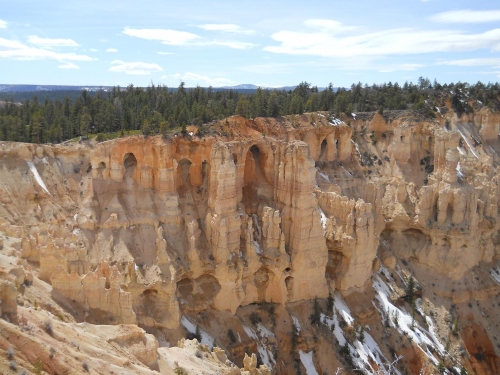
(158, 109)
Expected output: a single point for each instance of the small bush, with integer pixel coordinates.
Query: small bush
(255, 318)
(38, 366)
(316, 315)
(13, 366)
(47, 325)
(52, 352)
(180, 371)
(85, 366)
(10, 353)
(231, 335)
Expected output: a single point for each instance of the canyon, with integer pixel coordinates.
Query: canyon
(300, 244)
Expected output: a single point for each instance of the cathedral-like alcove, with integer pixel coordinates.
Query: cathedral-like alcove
(183, 177)
(255, 185)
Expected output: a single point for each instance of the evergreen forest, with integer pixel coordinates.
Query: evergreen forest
(161, 110)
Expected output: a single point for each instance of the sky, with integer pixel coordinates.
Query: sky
(266, 43)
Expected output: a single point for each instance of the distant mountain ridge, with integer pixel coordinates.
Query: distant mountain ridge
(31, 88)
(41, 88)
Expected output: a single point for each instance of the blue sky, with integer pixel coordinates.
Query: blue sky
(269, 43)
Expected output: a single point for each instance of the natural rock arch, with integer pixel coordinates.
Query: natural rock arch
(129, 163)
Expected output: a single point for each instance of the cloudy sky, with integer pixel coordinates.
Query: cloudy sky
(269, 43)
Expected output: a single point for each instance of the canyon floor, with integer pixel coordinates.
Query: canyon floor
(307, 244)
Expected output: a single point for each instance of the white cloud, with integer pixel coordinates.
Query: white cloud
(205, 80)
(480, 61)
(193, 79)
(234, 45)
(68, 65)
(166, 36)
(112, 50)
(328, 43)
(93, 50)
(182, 38)
(3, 24)
(226, 27)
(327, 25)
(401, 67)
(11, 49)
(467, 16)
(269, 68)
(165, 53)
(50, 43)
(134, 68)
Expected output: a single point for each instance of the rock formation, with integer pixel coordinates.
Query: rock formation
(148, 230)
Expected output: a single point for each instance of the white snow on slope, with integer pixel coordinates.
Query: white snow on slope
(471, 148)
(363, 354)
(265, 354)
(323, 220)
(325, 176)
(495, 274)
(307, 361)
(257, 247)
(405, 324)
(206, 339)
(37, 176)
(296, 323)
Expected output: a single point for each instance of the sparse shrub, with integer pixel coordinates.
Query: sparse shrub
(85, 366)
(329, 304)
(395, 318)
(38, 366)
(361, 335)
(13, 366)
(255, 318)
(199, 354)
(455, 328)
(410, 288)
(180, 370)
(315, 317)
(47, 326)
(197, 334)
(231, 335)
(52, 352)
(441, 368)
(10, 353)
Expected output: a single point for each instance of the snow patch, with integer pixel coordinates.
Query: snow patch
(38, 179)
(206, 339)
(296, 323)
(325, 176)
(257, 247)
(495, 274)
(263, 333)
(307, 361)
(471, 148)
(405, 323)
(323, 219)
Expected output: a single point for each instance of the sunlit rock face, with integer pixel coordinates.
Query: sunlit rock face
(145, 230)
